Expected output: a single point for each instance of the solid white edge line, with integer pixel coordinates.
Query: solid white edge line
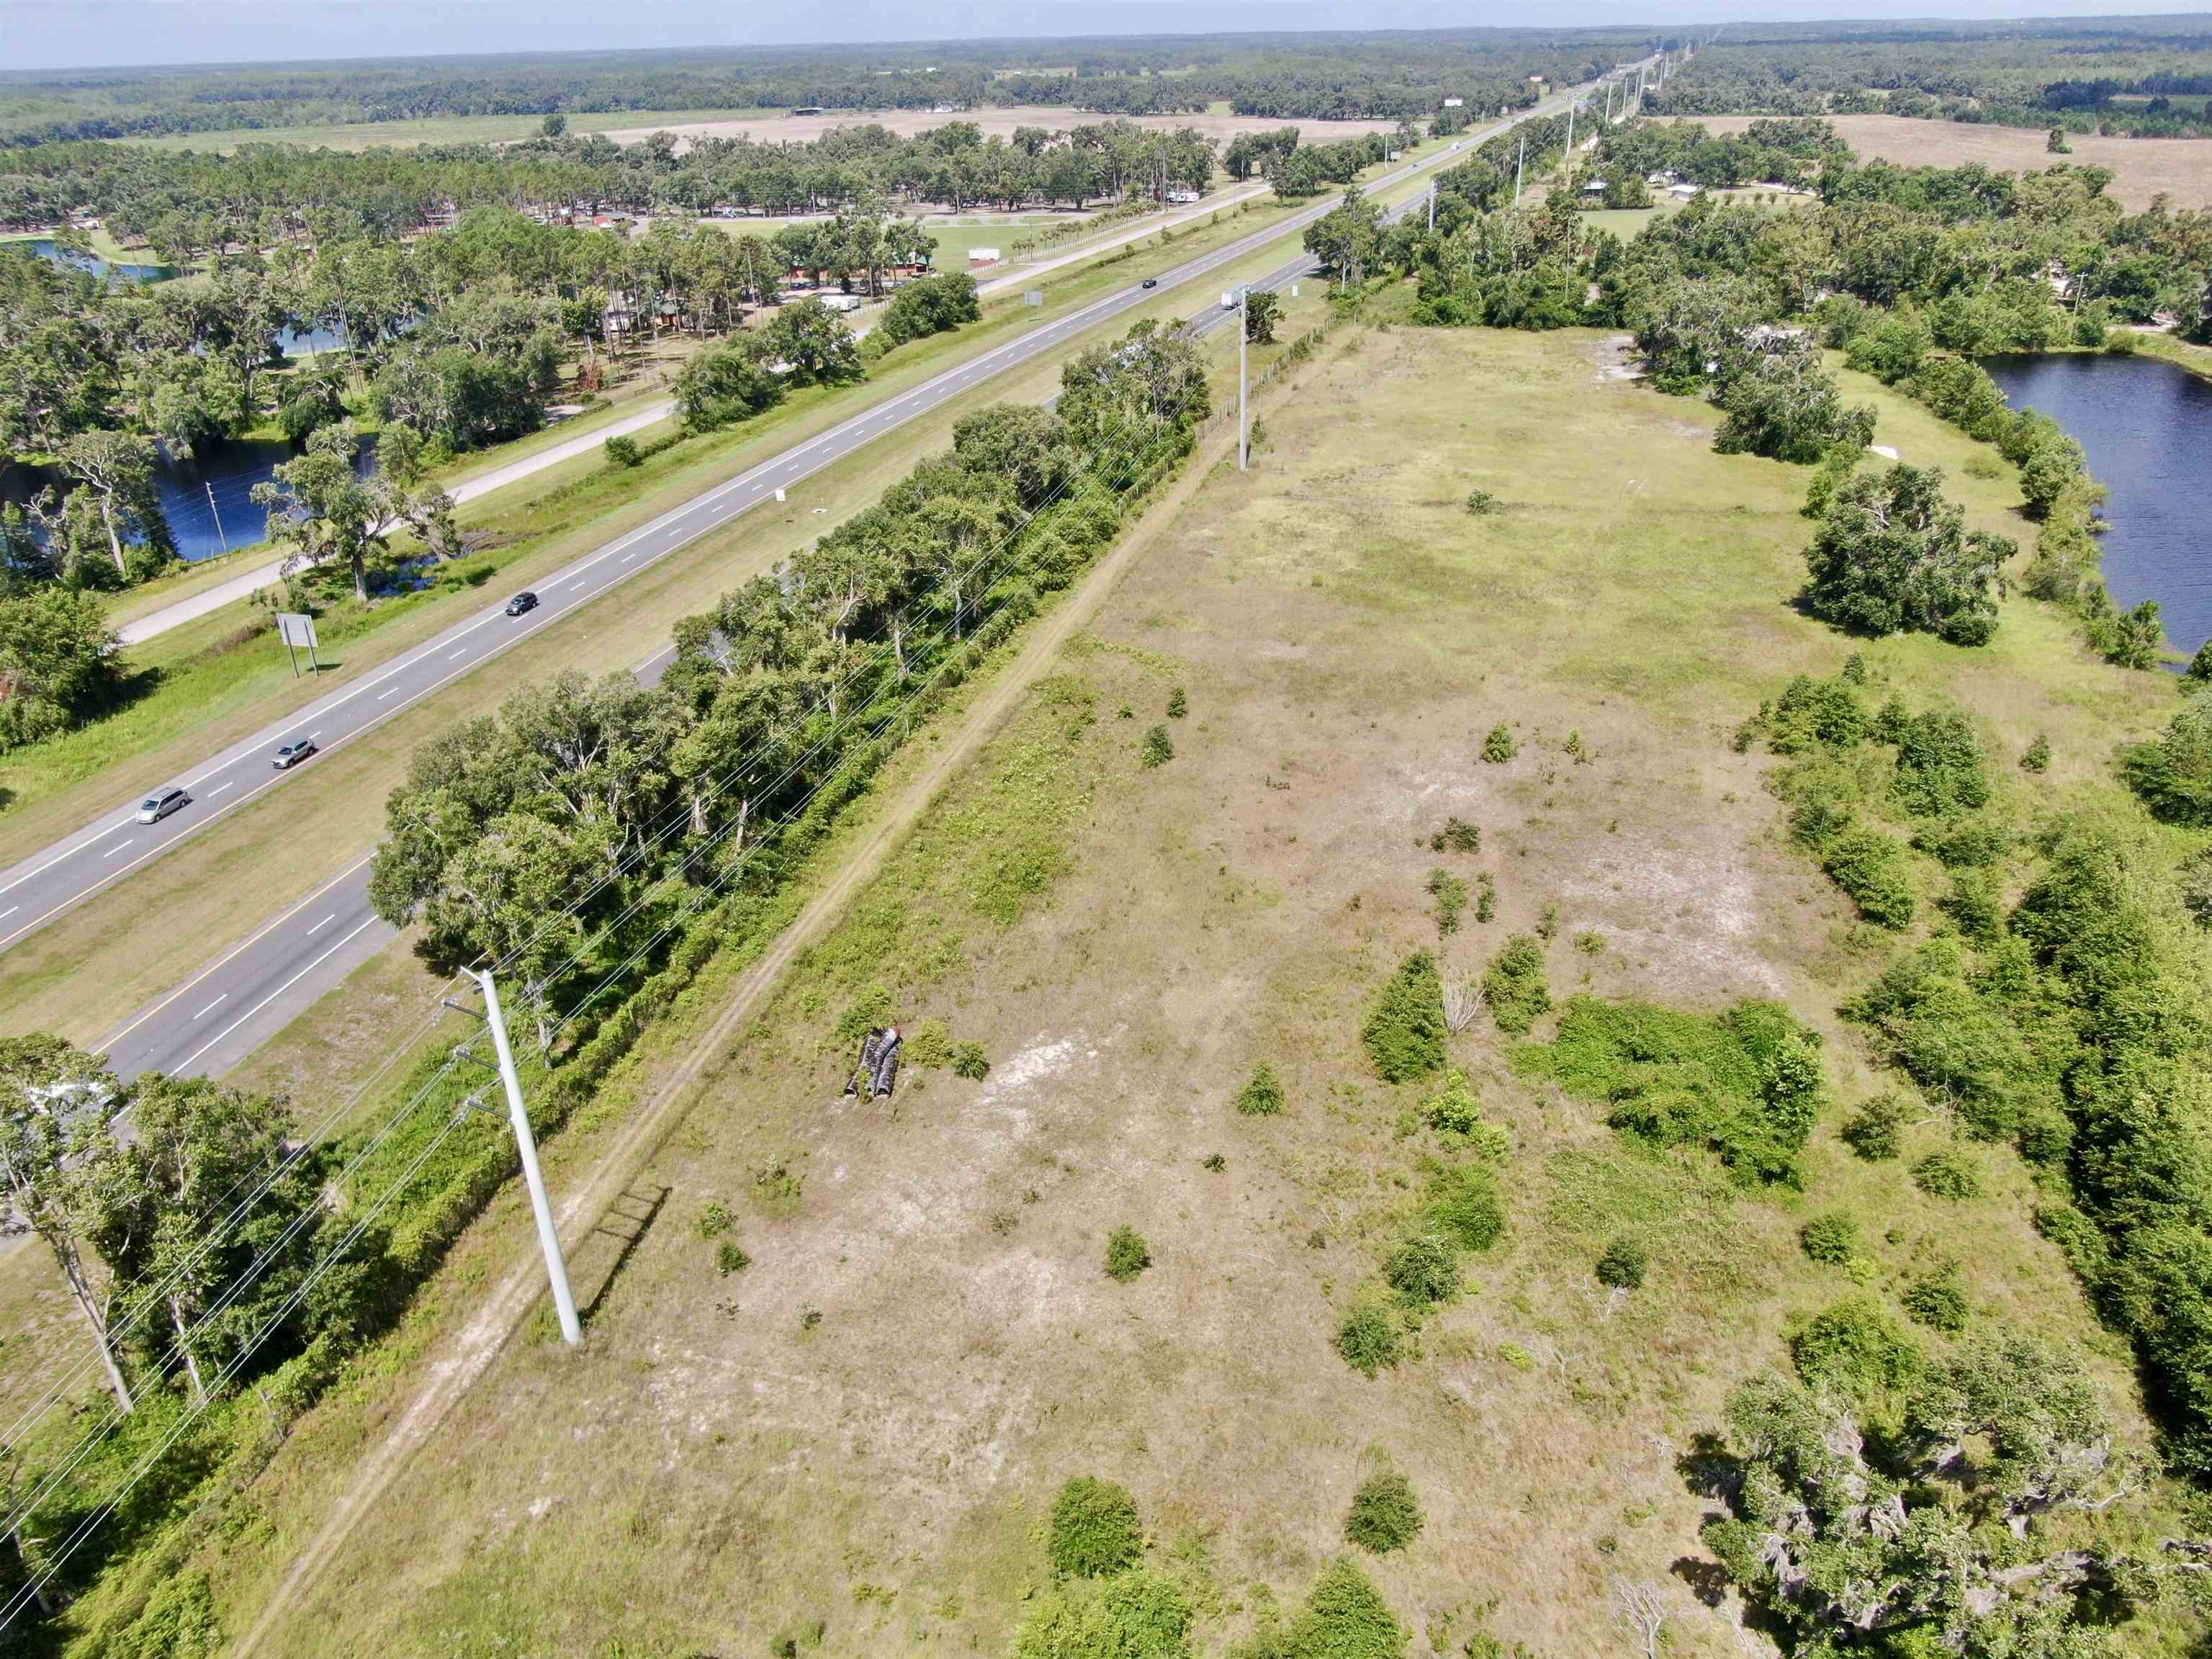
(247, 943)
(270, 998)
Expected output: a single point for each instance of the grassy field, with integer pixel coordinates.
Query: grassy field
(85, 971)
(854, 1442)
(2178, 168)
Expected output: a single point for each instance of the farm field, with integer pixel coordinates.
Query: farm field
(2179, 168)
(849, 1436)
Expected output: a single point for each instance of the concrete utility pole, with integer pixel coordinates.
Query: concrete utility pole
(1243, 350)
(1519, 162)
(1570, 139)
(1433, 206)
(217, 511)
(549, 1239)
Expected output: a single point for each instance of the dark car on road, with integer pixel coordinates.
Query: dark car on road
(292, 754)
(1151, 282)
(520, 603)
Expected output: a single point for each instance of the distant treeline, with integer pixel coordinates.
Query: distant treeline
(2059, 73)
(1387, 77)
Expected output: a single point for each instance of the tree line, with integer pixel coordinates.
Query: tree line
(1396, 76)
(2033, 74)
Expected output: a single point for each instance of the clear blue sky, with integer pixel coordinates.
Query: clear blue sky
(54, 34)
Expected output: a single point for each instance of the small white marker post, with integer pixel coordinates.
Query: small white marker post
(779, 494)
(557, 1269)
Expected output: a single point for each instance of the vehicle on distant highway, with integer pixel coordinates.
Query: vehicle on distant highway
(520, 603)
(292, 754)
(1151, 282)
(162, 802)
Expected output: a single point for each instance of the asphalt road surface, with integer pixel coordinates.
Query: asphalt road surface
(239, 1000)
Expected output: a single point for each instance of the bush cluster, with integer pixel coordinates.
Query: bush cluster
(1405, 1031)
(1514, 986)
(1385, 1516)
(1263, 1093)
(1745, 1085)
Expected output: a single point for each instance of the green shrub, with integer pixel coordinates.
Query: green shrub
(1976, 905)
(1126, 1254)
(1345, 1617)
(1624, 1264)
(1872, 868)
(1940, 765)
(1457, 835)
(1463, 1205)
(1178, 704)
(1938, 1301)
(1480, 502)
(1499, 746)
(1454, 1109)
(1095, 1531)
(1424, 1268)
(1855, 1352)
(1136, 1616)
(1514, 986)
(1263, 1093)
(1972, 844)
(1745, 1085)
(1485, 896)
(1369, 1340)
(1385, 1516)
(731, 1258)
(1405, 1031)
(716, 1219)
(1950, 1173)
(2173, 775)
(1876, 1131)
(2036, 757)
(1450, 895)
(1158, 750)
(623, 453)
(1831, 1239)
(968, 1061)
(930, 1045)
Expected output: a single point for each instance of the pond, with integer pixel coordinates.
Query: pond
(291, 342)
(45, 249)
(209, 504)
(2147, 426)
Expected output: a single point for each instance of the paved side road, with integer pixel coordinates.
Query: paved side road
(221, 1014)
(247, 583)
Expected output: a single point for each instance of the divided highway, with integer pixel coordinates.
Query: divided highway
(240, 1000)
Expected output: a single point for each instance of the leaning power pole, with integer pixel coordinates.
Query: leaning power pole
(549, 1239)
(1520, 163)
(1243, 349)
(1570, 140)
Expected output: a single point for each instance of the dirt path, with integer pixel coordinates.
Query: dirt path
(471, 1354)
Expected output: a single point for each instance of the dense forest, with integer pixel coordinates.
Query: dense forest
(2143, 76)
(1394, 76)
